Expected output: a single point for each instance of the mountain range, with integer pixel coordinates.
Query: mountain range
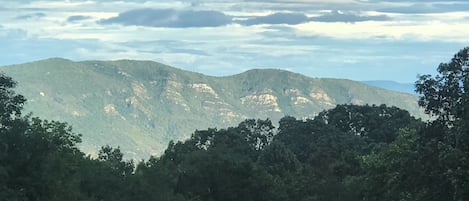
(392, 85)
(141, 105)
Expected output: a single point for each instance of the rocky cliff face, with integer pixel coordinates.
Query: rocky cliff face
(141, 105)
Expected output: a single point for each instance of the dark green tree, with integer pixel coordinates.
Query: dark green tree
(428, 163)
(445, 141)
(39, 159)
(376, 125)
(108, 176)
(391, 174)
(11, 103)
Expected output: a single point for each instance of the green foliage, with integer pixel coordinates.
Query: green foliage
(37, 157)
(445, 95)
(445, 141)
(430, 163)
(390, 174)
(378, 125)
(107, 177)
(277, 159)
(11, 103)
(115, 160)
(331, 146)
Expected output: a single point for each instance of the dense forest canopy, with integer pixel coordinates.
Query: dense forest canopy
(362, 153)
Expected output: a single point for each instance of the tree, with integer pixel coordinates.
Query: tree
(11, 103)
(106, 177)
(390, 174)
(114, 159)
(39, 159)
(446, 96)
(428, 163)
(446, 139)
(258, 133)
(277, 159)
(377, 125)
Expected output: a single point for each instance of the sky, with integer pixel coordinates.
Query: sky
(353, 39)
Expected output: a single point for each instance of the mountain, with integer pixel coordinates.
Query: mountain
(392, 85)
(142, 105)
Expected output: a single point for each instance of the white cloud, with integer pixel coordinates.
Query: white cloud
(430, 30)
(314, 48)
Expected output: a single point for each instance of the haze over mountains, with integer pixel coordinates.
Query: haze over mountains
(142, 105)
(392, 85)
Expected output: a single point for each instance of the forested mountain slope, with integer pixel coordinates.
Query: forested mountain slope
(142, 105)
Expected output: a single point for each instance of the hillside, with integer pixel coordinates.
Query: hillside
(142, 105)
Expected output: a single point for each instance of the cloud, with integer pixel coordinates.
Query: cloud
(300, 18)
(338, 16)
(422, 8)
(75, 18)
(294, 34)
(170, 18)
(277, 18)
(173, 18)
(31, 16)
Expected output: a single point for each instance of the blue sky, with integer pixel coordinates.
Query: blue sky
(354, 39)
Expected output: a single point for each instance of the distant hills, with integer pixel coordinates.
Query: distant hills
(392, 85)
(142, 105)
